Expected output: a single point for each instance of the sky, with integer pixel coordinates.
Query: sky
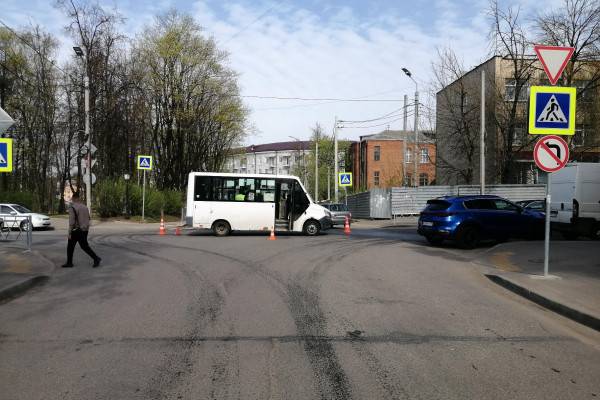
(315, 49)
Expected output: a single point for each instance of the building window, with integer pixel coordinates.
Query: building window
(423, 179)
(377, 153)
(519, 134)
(510, 90)
(424, 156)
(408, 155)
(579, 137)
(584, 90)
(376, 178)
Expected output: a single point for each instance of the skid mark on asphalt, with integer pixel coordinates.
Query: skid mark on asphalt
(203, 311)
(301, 297)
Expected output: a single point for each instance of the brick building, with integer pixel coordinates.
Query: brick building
(378, 160)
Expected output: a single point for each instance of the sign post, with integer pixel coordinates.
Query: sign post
(145, 164)
(551, 153)
(551, 112)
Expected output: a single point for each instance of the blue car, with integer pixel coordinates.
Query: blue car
(467, 220)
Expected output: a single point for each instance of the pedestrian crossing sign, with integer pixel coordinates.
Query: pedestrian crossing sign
(6, 162)
(345, 179)
(552, 110)
(144, 162)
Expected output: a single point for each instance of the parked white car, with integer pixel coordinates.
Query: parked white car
(15, 216)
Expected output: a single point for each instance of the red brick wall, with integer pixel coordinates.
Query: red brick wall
(390, 164)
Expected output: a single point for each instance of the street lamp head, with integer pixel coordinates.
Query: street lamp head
(78, 51)
(407, 72)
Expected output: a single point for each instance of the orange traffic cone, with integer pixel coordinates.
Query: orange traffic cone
(347, 226)
(162, 230)
(178, 231)
(272, 236)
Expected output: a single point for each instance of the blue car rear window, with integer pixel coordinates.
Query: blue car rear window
(437, 205)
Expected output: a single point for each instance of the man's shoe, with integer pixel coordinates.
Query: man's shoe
(96, 262)
(67, 266)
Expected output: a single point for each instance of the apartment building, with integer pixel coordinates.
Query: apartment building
(282, 158)
(379, 160)
(508, 145)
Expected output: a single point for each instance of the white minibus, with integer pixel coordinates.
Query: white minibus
(226, 202)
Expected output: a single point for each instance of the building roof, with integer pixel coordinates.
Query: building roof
(397, 135)
(280, 146)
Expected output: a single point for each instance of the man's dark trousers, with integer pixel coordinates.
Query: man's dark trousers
(79, 236)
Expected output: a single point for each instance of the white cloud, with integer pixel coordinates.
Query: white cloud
(292, 51)
(298, 53)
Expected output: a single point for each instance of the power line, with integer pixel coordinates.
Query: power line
(261, 16)
(320, 99)
(386, 116)
(32, 47)
(370, 126)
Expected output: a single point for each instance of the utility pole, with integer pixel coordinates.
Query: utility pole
(335, 158)
(404, 127)
(416, 151)
(328, 183)
(316, 165)
(482, 135)
(86, 84)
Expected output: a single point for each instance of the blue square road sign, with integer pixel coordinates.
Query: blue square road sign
(552, 110)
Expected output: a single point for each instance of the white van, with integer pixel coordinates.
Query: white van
(226, 202)
(575, 200)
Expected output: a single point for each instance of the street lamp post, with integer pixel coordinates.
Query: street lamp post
(300, 149)
(126, 177)
(86, 84)
(416, 127)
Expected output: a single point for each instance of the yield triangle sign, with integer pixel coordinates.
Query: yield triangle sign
(554, 60)
(552, 112)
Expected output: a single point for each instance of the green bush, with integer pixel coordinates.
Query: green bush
(26, 199)
(111, 194)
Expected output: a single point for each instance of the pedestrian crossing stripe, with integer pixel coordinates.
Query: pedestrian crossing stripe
(552, 110)
(144, 162)
(345, 179)
(6, 162)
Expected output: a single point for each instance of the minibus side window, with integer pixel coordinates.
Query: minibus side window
(202, 188)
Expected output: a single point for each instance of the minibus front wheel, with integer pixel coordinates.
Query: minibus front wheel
(312, 227)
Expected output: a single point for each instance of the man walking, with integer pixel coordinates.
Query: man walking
(79, 225)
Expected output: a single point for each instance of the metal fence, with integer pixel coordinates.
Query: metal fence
(385, 203)
(13, 229)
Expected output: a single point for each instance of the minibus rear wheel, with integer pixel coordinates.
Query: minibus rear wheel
(221, 228)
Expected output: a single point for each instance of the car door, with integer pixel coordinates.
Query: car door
(508, 220)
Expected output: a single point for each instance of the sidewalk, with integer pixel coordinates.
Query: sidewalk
(21, 270)
(574, 287)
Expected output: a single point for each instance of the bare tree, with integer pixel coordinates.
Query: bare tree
(512, 44)
(457, 129)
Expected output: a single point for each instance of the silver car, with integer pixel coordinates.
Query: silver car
(15, 216)
(339, 212)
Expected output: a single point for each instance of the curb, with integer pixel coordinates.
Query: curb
(575, 315)
(21, 287)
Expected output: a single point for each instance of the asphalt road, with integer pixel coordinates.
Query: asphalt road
(378, 315)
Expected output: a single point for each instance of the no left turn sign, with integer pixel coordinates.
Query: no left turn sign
(551, 153)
